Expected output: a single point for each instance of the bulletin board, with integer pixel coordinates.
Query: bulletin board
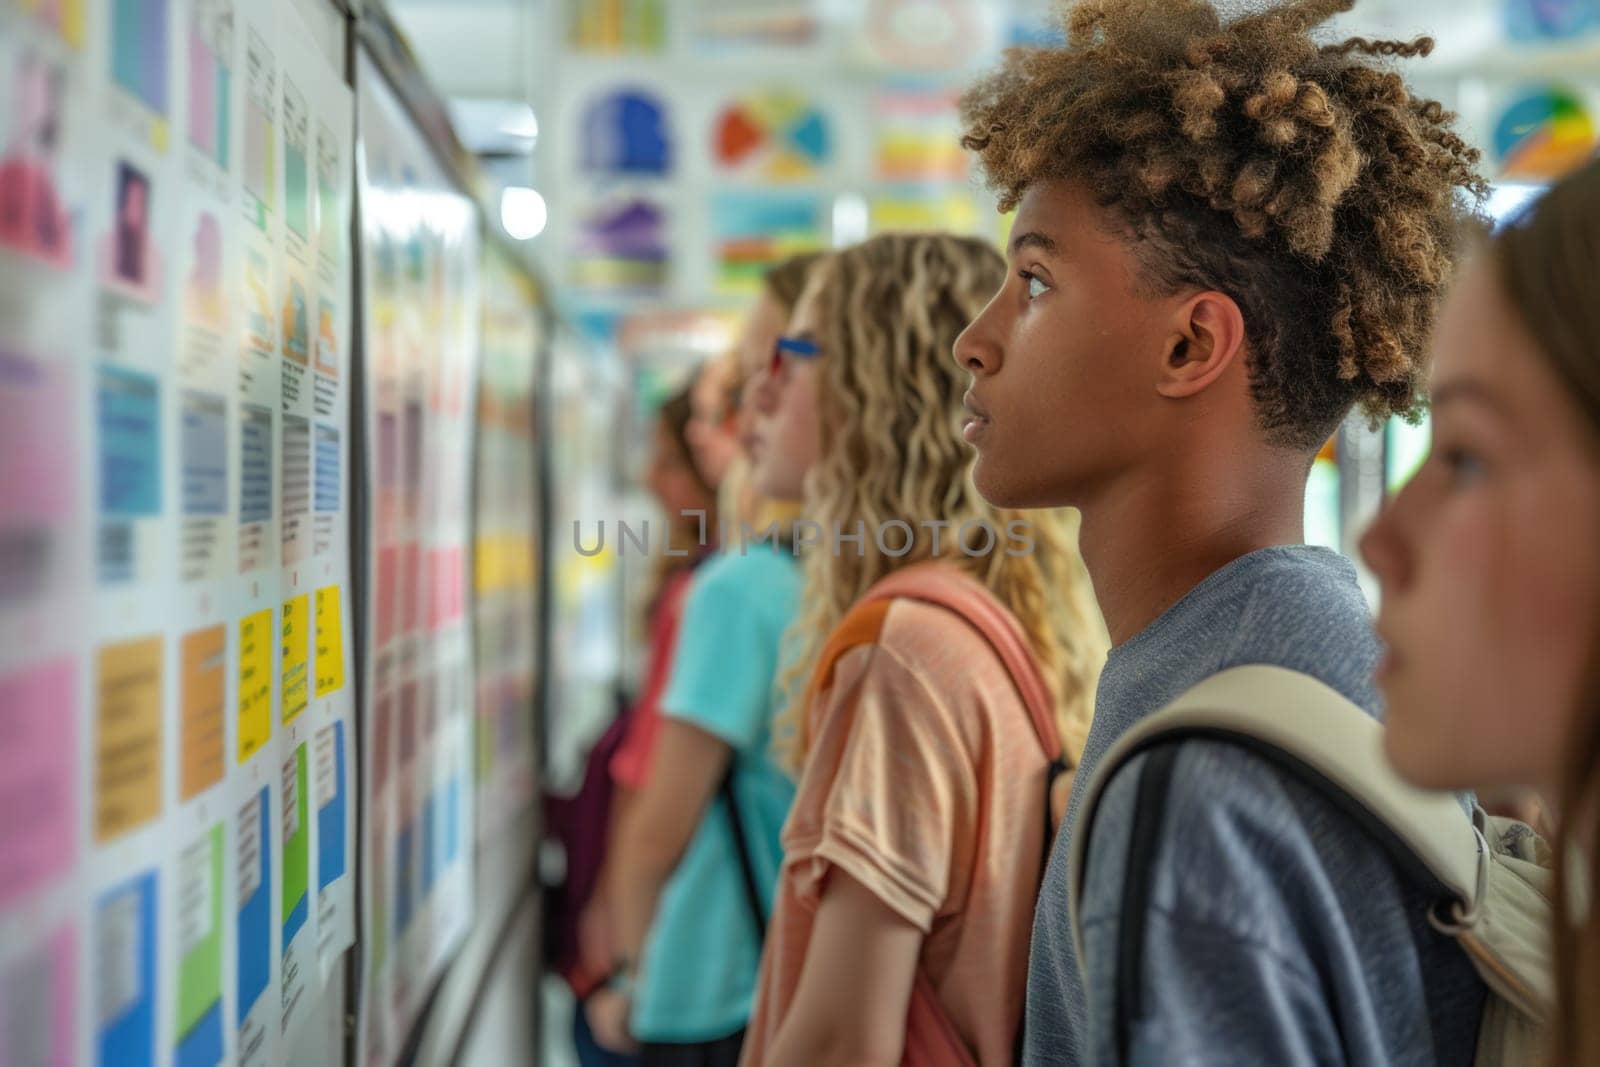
(175, 643)
(421, 299)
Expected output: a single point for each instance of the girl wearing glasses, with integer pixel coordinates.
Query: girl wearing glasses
(913, 851)
(697, 853)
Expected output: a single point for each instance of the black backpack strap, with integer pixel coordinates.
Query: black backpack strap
(1149, 814)
(747, 867)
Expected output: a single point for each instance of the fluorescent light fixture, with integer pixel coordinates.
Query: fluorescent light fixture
(523, 212)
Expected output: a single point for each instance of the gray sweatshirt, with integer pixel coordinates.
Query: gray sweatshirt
(1277, 931)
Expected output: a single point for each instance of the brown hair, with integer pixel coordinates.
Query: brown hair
(889, 397)
(785, 279)
(1548, 260)
(1302, 179)
(673, 416)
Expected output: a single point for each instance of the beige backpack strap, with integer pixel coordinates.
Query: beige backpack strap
(1289, 716)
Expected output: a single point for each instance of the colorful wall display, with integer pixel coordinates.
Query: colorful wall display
(918, 137)
(617, 25)
(724, 25)
(1544, 132)
(753, 231)
(775, 135)
(506, 549)
(157, 641)
(1551, 20)
(422, 302)
(622, 245)
(626, 133)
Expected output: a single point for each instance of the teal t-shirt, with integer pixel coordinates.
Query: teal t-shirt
(698, 975)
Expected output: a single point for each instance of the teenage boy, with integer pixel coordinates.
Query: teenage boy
(1227, 236)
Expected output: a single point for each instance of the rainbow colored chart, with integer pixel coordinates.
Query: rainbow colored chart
(777, 135)
(1543, 133)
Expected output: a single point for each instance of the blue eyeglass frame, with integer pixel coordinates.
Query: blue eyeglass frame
(795, 346)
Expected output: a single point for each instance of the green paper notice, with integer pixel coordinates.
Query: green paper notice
(200, 869)
(296, 845)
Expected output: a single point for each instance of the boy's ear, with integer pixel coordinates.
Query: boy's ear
(1207, 339)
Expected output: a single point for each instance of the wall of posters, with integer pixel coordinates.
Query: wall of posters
(422, 307)
(175, 193)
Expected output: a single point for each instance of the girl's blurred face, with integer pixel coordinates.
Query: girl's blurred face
(670, 478)
(711, 433)
(1490, 561)
(786, 425)
(766, 323)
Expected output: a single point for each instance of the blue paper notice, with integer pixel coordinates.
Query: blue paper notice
(130, 444)
(255, 475)
(205, 454)
(125, 974)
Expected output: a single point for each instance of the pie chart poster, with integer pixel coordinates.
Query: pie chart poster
(777, 136)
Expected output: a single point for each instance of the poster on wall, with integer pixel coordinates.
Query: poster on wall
(753, 231)
(421, 299)
(918, 137)
(617, 26)
(506, 546)
(1544, 131)
(721, 26)
(626, 132)
(622, 245)
(774, 135)
(144, 661)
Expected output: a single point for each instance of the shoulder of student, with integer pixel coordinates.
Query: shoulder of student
(735, 578)
(1242, 845)
(937, 645)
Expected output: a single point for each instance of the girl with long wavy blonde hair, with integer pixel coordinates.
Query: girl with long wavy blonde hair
(912, 853)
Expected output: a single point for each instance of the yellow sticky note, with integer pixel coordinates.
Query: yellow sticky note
(330, 642)
(296, 648)
(255, 682)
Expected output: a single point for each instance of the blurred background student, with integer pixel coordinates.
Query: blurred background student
(696, 856)
(1491, 578)
(618, 764)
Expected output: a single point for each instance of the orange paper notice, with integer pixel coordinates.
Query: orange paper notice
(205, 660)
(128, 738)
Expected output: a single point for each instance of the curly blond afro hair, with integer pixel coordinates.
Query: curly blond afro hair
(1301, 178)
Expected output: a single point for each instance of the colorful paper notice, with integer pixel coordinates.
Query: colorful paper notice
(199, 919)
(296, 651)
(128, 737)
(204, 680)
(38, 786)
(296, 898)
(296, 852)
(254, 873)
(255, 682)
(38, 992)
(331, 805)
(330, 642)
(125, 974)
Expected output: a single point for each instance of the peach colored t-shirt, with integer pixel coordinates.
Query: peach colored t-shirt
(925, 783)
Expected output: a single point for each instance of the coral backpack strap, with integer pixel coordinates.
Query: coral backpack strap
(956, 591)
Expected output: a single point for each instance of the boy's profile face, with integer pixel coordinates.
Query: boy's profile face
(1066, 358)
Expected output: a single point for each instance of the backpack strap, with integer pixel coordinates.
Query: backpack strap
(1296, 721)
(954, 590)
(741, 848)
